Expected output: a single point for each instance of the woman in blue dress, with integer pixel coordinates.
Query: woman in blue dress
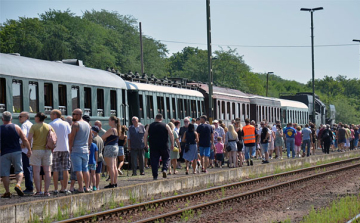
(191, 138)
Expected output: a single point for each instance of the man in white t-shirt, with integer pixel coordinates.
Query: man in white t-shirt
(61, 156)
(27, 168)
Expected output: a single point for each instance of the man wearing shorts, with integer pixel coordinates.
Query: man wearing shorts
(206, 140)
(11, 153)
(61, 157)
(79, 142)
(100, 144)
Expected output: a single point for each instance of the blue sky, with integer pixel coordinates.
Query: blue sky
(237, 24)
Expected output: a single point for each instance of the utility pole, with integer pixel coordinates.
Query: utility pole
(141, 50)
(357, 40)
(267, 82)
(211, 79)
(312, 55)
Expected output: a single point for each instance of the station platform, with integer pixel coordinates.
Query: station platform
(140, 188)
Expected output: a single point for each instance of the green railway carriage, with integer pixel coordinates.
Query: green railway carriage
(35, 85)
(146, 100)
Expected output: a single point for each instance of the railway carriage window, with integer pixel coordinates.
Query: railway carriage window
(243, 112)
(33, 97)
(150, 107)
(199, 109)
(160, 105)
(233, 111)
(239, 110)
(186, 105)
(228, 109)
(100, 102)
(248, 111)
(168, 108)
(193, 108)
(203, 107)
(87, 101)
(48, 98)
(173, 108)
(181, 108)
(141, 106)
(17, 96)
(75, 97)
(2, 95)
(62, 98)
(113, 102)
(222, 113)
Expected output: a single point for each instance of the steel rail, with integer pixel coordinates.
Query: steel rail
(131, 209)
(172, 216)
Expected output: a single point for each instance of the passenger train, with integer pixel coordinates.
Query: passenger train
(34, 85)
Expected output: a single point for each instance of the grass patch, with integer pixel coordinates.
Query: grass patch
(340, 210)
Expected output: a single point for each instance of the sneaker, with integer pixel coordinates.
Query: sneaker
(19, 191)
(94, 188)
(247, 162)
(66, 192)
(6, 195)
(164, 174)
(39, 194)
(109, 186)
(155, 178)
(28, 192)
(46, 194)
(120, 172)
(251, 163)
(103, 175)
(56, 192)
(265, 161)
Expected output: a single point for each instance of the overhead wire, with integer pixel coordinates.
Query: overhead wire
(263, 46)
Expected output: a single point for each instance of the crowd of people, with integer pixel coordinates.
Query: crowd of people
(71, 147)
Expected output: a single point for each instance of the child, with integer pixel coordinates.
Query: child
(93, 156)
(219, 149)
(298, 141)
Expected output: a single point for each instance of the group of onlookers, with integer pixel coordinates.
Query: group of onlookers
(87, 150)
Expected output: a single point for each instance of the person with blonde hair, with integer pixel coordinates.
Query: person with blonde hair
(231, 139)
(174, 154)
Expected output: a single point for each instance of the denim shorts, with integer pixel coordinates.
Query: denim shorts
(79, 161)
(341, 141)
(205, 151)
(15, 159)
(92, 166)
(212, 155)
(121, 151)
(265, 147)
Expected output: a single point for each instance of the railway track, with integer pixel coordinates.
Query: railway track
(172, 216)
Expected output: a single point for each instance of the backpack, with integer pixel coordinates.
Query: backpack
(51, 139)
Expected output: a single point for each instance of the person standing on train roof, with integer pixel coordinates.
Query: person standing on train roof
(206, 140)
(79, 144)
(290, 133)
(101, 130)
(61, 156)
(27, 168)
(249, 137)
(159, 133)
(10, 151)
